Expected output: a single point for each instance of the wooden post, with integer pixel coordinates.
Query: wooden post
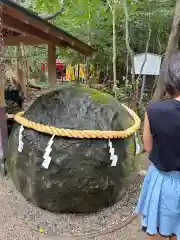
(3, 126)
(24, 69)
(52, 65)
(20, 74)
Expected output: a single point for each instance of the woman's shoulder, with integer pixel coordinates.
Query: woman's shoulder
(165, 104)
(162, 108)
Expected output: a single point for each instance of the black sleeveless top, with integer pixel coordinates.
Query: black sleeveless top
(164, 119)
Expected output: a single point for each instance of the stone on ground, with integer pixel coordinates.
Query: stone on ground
(80, 178)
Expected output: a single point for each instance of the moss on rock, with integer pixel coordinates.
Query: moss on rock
(96, 96)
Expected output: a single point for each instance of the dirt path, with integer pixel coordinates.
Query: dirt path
(21, 220)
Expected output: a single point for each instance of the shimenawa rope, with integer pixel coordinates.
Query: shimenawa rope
(90, 134)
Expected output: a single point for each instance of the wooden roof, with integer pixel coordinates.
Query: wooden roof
(21, 25)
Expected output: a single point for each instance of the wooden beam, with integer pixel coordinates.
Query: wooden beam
(3, 126)
(40, 24)
(51, 65)
(27, 29)
(26, 40)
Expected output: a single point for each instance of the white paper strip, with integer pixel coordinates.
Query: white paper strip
(48, 150)
(110, 144)
(20, 144)
(51, 141)
(138, 148)
(20, 147)
(112, 151)
(113, 156)
(46, 162)
(114, 161)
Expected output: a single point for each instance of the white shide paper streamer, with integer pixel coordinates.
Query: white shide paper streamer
(48, 150)
(21, 144)
(138, 148)
(113, 156)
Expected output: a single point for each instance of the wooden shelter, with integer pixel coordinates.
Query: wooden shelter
(20, 26)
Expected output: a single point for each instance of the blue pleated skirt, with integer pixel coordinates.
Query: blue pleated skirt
(159, 203)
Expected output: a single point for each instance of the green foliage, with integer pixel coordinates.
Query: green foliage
(91, 21)
(46, 6)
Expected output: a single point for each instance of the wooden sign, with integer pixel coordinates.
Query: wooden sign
(151, 66)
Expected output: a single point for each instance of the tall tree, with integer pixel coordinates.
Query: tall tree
(113, 6)
(172, 47)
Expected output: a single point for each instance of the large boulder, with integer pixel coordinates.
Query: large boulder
(80, 177)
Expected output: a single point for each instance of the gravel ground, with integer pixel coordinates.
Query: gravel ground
(21, 220)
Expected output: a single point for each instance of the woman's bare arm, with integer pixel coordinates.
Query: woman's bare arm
(147, 136)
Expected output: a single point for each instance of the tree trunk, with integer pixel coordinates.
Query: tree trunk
(172, 47)
(114, 46)
(130, 51)
(89, 80)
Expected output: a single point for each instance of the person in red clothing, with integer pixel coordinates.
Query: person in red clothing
(60, 68)
(43, 67)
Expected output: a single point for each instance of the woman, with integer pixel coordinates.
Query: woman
(159, 201)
